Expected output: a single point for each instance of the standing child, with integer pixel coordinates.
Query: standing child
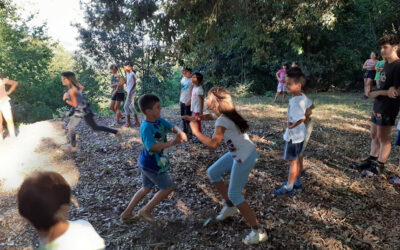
(185, 97)
(378, 68)
(197, 97)
(154, 165)
(129, 105)
(5, 107)
(44, 200)
(74, 98)
(231, 127)
(299, 112)
(118, 94)
(280, 76)
(369, 73)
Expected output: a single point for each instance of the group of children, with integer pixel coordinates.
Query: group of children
(43, 199)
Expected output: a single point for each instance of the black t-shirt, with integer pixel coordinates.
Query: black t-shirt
(389, 77)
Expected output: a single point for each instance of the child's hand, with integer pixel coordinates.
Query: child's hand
(194, 127)
(308, 112)
(392, 92)
(188, 118)
(182, 136)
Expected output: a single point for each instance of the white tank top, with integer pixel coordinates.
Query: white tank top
(3, 93)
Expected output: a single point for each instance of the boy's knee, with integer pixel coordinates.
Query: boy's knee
(212, 175)
(145, 190)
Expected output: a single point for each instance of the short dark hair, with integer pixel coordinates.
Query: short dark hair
(199, 77)
(40, 197)
(127, 63)
(297, 75)
(391, 39)
(188, 69)
(147, 102)
(113, 66)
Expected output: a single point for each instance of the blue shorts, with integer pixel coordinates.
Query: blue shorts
(292, 150)
(162, 181)
(397, 141)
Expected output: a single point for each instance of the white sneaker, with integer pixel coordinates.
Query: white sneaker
(227, 212)
(255, 237)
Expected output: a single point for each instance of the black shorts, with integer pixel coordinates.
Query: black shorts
(382, 119)
(292, 150)
(369, 74)
(118, 97)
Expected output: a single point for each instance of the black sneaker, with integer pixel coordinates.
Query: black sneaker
(375, 169)
(365, 164)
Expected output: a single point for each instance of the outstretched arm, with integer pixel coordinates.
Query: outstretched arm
(179, 138)
(206, 117)
(13, 85)
(211, 143)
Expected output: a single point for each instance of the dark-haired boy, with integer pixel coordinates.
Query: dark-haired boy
(154, 165)
(185, 98)
(385, 109)
(299, 112)
(43, 199)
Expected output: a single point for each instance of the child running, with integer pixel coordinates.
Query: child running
(231, 127)
(129, 105)
(154, 165)
(197, 98)
(44, 200)
(299, 112)
(280, 76)
(82, 110)
(5, 107)
(118, 94)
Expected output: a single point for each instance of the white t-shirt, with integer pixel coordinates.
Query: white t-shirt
(196, 101)
(296, 111)
(79, 235)
(130, 82)
(398, 125)
(186, 89)
(239, 144)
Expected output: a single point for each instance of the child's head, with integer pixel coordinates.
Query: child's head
(188, 72)
(128, 66)
(389, 44)
(113, 69)
(43, 199)
(68, 79)
(150, 106)
(372, 55)
(295, 80)
(285, 65)
(220, 101)
(197, 78)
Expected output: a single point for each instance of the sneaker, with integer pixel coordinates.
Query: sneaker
(375, 169)
(283, 190)
(227, 212)
(365, 164)
(395, 180)
(255, 237)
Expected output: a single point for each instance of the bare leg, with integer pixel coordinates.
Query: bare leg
(157, 198)
(300, 162)
(369, 84)
(294, 171)
(117, 109)
(137, 123)
(128, 120)
(384, 140)
(248, 214)
(1, 126)
(276, 96)
(134, 201)
(283, 97)
(222, 189)
(375, 143)
(9, 119)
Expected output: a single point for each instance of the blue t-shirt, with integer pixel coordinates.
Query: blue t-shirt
(152, 133)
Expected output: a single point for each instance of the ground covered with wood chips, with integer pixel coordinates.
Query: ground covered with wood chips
(336, 210)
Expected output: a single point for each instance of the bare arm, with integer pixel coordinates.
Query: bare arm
(13, 85)
(206, 117)
(211, 143)
(277, 75)
(201, 104)
(375, 94)
(179, 138)
(74, 101)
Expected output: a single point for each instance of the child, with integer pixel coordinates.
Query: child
(153, 163)
(185, 97)
(280, 75)
(299, 112)
(295, 65)
(369, 73)
(197, 97)
(239, 161)
(129, 105)
(378, 68)
(44, 200)
(74, 98)
(118, 95)
(5, 107)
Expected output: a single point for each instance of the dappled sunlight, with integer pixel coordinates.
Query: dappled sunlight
(181, 206)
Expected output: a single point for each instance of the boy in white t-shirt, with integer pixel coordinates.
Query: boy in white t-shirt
(43, 199)
(185, 97)
(299, 112)
(197, 105)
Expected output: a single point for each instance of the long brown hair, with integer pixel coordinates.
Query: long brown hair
(72, 79)
(222, 101)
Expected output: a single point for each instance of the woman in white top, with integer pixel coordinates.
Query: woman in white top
(239, 161)
(5, 107)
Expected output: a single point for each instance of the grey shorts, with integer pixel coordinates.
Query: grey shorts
(292, 150)
(162, 181)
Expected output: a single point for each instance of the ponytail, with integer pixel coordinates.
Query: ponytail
(238, 120)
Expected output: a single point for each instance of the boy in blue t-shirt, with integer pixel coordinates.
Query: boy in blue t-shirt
(153, 163)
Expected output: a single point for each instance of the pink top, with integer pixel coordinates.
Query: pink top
(371, 63)
(3, 93)
(282, 73)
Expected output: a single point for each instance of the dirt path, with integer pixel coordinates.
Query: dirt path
(337, 209)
